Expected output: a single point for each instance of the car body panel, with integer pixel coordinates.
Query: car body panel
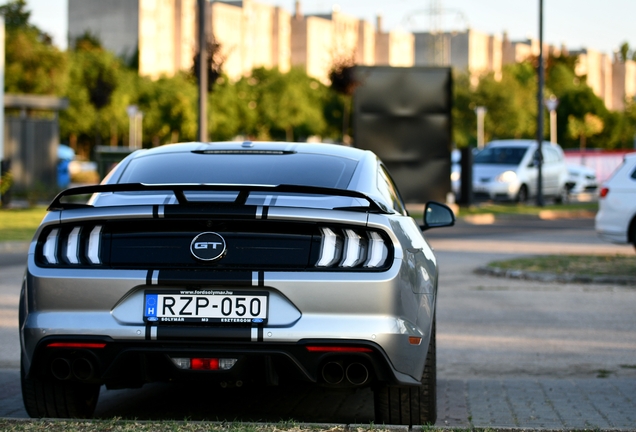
(617, 209)
(554, 172)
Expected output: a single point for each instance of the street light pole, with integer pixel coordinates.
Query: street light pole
(203, 72)
(481, 114)
(551, 103)
(539, 157)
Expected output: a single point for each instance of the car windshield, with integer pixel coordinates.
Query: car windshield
(235, 168)
(501, 155)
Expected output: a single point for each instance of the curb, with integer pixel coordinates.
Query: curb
(14, 246)
(554, 277)
(491, 218)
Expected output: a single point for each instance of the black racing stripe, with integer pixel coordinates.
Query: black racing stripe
(148, 331)
(261, 278)
(265, 212)
(260, 334)
(155, 211)
(149, 277)
(211, 211)
(204, 333)
(205, 277)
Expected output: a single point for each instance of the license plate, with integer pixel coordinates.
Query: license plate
(201, 306)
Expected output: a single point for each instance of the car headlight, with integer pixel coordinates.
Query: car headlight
(506, 177)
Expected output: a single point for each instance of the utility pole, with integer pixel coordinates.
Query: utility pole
(1, 94)
(539, 156)
(481, 114)
(203, 71)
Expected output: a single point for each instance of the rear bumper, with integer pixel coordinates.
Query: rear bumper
(129, 364)
(376, 308)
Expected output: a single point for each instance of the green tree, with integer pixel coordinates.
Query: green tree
(280, 106)
(344, 81)
(94, 77)
(464, 119)
(577, 102)
(510, 103)
(625, 53)
(583, 128)
(223, 114)
(32, 64)
(170, 109)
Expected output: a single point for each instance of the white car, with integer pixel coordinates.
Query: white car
(616, 218)
(507, 169)
(581, 179)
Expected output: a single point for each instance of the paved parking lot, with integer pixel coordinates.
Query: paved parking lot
(511, 353)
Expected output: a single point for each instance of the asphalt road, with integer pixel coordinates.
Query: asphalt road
(511, 353)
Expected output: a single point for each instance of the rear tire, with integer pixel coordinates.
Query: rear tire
(410, 405)
(522, 195)
(563, 196)
(58, 399)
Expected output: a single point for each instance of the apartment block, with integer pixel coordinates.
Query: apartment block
(312, 45)
(623, 83)
(163, 35)
(470, 51)
(365, 52)
(597, 68)
(251, 35)
(394, 48)
(322, 40)
(160, 32)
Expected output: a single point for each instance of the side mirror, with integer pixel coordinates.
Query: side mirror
(437, 215)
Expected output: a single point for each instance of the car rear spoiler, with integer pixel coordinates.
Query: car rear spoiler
(179, 192)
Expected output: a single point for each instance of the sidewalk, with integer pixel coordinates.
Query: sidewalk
(498, 404)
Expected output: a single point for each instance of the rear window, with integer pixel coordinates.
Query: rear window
(501, 155)
(254, 169)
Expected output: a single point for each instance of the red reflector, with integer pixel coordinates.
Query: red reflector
(337, 349)
(204, 364)
(415, 340)
(76, 345)
(604, 192)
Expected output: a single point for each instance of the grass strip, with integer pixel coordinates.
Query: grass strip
(119, 425)
(526, 209)
(20, 224)
(588, 265)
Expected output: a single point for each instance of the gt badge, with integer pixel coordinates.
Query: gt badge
(208, 246)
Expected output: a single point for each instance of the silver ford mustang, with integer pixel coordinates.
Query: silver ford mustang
(235, 263)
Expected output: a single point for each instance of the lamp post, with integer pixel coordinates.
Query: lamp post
(481, 114)
(540, 112)
(552, 103)
(203, 71)
(135, 118)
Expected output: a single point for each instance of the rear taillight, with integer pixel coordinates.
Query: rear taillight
(201, 363)
(604, 191)
(78, 345)
(348, 248)
(78, 245)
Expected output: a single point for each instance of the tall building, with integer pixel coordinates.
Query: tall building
(365, 52)
(251, 35)
(623, 82)
(160, 32)
(469, 51)
(393, 48)
(597, 68)
(320, 41)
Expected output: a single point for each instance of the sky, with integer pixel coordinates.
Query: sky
(601, 25)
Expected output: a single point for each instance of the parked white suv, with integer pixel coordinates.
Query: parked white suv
(507, 169)
(616, 218)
